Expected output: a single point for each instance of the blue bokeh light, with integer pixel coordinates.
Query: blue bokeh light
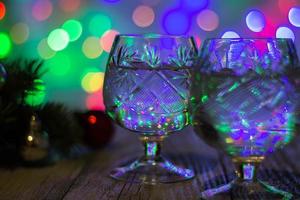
(176, 22)
(194, 5)
(230, 34)
(285, 32)
(294, 16)
(255, 21)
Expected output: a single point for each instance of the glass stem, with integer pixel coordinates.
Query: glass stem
(247, 172)
(246, 169)
(152, 147)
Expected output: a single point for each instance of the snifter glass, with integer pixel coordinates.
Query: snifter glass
(146, 90)
(245, 95)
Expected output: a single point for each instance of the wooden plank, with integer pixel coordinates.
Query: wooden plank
(87, 178)
(49, 182)
(183, 148)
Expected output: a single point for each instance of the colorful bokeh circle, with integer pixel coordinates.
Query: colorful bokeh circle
(230, 34)
(143, 16)
(92, 82)
(73, 28)
(36, 97)
(255, 21)
(58, 39)
(99, 24)
(2, 10)
(94, 101)
(42, 10)
(285, 32)
(294, 16)
(194, 5)
(19, 33)
(5, 44)
(107, 39)
(176, 22)
(208, 20)
(44, 51)
(91, 47)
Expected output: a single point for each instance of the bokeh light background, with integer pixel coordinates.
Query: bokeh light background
(75, 36)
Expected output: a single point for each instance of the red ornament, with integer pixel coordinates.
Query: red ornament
(98, 128)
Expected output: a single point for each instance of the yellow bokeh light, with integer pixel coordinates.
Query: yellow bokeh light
(44, 50)
(92, 82)
(91, 47)
(19, 33)
(29, 138)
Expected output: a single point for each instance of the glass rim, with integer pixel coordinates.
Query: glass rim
(262, 38)
(153, 36)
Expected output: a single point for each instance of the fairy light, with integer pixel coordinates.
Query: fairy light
(92, 119)
(29, 138)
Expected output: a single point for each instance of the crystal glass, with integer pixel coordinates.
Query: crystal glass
(245, 96)
(146, 90)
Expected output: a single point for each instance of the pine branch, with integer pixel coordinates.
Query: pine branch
(21, 74)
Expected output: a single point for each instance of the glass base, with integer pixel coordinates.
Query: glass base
(246, 190)
(152, 172)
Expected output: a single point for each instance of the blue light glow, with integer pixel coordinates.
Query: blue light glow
(194, 5)
(176, 23)
(294, 16)
(230, 34)
(255, 21)
(285, 32)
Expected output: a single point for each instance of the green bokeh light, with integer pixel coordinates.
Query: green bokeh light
(44, 51)
(5, 45)
(37, 96)
(99, 24)
(223, 128)
(73, 28)
(58, 39)
(59, 65)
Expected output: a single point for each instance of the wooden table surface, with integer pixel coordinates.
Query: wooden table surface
(87, 177)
